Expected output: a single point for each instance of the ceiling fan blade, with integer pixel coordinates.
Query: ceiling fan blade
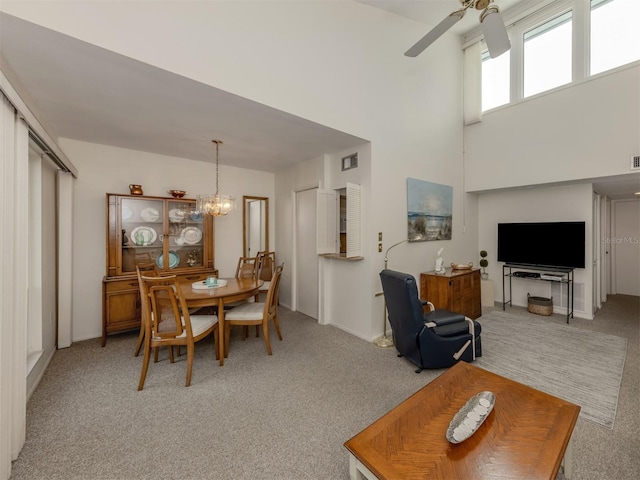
(434, 34)
(495, 33)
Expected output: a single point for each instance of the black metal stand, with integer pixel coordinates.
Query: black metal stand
(565, 276)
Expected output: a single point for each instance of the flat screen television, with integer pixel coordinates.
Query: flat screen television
(546, 244)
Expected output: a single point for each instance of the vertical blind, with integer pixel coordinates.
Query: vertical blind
(14, 189)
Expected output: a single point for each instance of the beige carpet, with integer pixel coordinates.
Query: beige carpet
(259, 417)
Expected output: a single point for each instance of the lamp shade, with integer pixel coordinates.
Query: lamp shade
(495, 33)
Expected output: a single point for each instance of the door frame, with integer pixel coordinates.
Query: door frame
(294, 260)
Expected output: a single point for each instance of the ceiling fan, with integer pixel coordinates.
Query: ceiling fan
(495, 33)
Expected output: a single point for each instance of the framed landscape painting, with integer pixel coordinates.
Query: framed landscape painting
(429, 211)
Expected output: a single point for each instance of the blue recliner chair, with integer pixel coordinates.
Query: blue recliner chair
(436, 339)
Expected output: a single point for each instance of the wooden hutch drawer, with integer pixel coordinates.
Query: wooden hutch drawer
(121, 285)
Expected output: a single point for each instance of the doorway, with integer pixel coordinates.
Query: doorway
(306, 258)
(255, 225)
(43, 268)
(625, 245)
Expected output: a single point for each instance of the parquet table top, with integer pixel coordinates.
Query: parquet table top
(524, 437)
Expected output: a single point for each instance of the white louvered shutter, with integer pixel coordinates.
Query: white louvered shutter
(354, 223)
(327, 221)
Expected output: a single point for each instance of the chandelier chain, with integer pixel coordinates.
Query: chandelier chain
(219, 204)
(217, 142)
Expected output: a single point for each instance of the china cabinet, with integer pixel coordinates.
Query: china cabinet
(166, 233)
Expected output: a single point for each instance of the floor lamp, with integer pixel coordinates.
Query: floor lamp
(385, 341)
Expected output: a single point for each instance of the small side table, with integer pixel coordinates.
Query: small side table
(487, 293)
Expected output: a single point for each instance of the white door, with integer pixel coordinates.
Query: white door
(605, 257)
(305, 251)
(626, 247)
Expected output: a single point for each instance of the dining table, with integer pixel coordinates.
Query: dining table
(226, 291)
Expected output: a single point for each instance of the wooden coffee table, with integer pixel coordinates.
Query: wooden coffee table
(526, 436)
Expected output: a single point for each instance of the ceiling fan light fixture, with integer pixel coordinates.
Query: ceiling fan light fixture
(435, 33)
(481, 4)
(495, 33)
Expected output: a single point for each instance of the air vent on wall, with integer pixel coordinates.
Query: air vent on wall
(635, 162)
(350, 162)
(559, 295)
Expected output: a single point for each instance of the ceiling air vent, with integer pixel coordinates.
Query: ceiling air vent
(635, 162)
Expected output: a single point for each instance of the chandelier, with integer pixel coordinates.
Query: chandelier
(216, 205)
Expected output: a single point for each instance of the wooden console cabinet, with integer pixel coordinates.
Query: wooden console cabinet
(457, 290)
(143, 230)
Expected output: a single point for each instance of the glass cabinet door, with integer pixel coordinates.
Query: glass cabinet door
(142, 229)
(164, 233)
(185, 245)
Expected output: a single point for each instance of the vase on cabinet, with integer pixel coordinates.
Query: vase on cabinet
(135, 189)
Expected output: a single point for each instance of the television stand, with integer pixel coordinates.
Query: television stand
(533, 272)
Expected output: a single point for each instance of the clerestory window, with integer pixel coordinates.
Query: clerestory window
(564, 42)
(614, 33)
(547, 55)
(495, 80)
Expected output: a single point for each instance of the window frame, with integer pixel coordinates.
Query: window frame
(484, 56)
(538, 25)
(588, 52)
(581, 45)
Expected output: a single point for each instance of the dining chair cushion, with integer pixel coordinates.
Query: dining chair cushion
(265, 286)
(246, 311)
(199, 324)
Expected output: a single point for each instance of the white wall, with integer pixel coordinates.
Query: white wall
(355, 78)
(571, 134)
(104, 169)
(551, 204)
(580, 132)
(347, 300)
(305, 57)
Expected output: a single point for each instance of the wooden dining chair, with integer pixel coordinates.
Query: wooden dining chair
(257, 313)
(266, 269)
(247, 267)
(150, 270)
(167, 322)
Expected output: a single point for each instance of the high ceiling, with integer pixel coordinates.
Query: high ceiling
(84, 92)
(87, 93)
(430, 12)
